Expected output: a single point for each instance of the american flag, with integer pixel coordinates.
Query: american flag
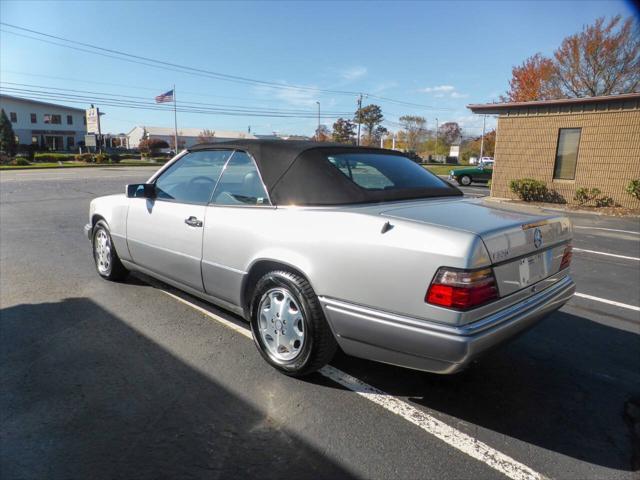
(165, 97)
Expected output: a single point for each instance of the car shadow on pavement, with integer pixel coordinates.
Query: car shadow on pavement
(84, 395)
(561, 386)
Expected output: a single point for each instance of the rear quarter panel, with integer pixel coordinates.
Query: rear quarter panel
(343, 254)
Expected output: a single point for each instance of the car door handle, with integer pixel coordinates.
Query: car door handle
(193, 222)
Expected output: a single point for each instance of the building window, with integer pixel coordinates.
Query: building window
(34, 118)
(69, 120)
(56, 119)
(70, 143)
(567, 154)
(13, 116)
(47, 118)
(35, 140)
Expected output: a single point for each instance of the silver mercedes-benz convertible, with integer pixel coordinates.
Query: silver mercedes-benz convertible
(321, 246)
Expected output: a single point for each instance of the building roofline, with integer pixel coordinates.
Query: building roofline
(500, 107)
(42, 103)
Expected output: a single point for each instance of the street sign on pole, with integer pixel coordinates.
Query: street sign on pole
(90, 141)
(93, 120)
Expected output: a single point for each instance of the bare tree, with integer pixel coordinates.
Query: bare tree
(415, 128)
(206, 136)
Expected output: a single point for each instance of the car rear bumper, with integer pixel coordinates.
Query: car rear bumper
(430, 346)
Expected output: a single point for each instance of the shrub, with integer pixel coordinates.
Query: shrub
(553, 196)
(20, 161)
(27, 151)
(529, 189)
(604, 201)
(115, 158)
(633, 188)
(586, 195)
(84, 157)
(102, 158)
(53, 157)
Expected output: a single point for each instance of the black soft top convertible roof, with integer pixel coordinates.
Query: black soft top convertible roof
(297, 172)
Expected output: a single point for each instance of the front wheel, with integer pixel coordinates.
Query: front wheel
(105, 256)
(465, 180)
(288, 325)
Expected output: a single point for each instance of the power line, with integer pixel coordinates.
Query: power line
(129, 57)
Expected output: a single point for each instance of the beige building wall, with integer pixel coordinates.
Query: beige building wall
(608, 153)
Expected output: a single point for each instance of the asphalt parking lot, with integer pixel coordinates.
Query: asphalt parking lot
(134, 380)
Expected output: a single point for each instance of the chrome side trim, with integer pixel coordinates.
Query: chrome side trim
(467, 330)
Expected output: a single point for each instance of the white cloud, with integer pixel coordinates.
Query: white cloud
(442, 91)
(354, 73)
(289, 96)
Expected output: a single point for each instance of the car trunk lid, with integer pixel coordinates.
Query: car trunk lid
(524, 249)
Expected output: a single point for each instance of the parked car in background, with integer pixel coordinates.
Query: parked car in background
(320, 246)
(479, 173)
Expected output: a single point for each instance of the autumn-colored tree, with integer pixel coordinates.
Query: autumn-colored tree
(322, 134)
(415, 129)
(206, 136)
(471, 148)
(603, 59)
(152, 145)
(343, 131)
(369, 116)
(535, 79)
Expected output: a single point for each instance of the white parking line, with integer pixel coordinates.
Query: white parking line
(451, 436)
(608, 302)
(606, 229)
(606, 253)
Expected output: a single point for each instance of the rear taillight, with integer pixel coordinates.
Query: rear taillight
(462, 289)
(566, 257)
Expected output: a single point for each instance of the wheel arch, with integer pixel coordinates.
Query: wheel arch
(257, 269)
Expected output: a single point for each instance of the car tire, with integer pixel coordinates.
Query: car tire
(306, 343)
(464, 180)
(105, 257)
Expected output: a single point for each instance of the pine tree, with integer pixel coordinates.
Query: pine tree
(7, 136)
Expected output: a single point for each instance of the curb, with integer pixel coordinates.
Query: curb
(508, 201)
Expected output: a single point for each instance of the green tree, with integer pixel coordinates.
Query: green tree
(344, 131)
(415, 128)
(369, 116)
(8, 143)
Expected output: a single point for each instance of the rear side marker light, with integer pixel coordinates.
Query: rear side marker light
(462, 289)
(566, 257)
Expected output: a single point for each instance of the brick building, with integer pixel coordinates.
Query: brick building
(569, 143)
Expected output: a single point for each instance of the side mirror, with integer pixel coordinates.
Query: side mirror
(141, 190)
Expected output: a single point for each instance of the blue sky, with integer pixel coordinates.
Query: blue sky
(443, 55)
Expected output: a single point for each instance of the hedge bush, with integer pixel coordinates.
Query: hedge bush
(586, 195)
(53, 157)
(102, 158)
(633, 188)
(605, 201)
(21, 161)
(529, 189)
(84, 157)
(115, 158)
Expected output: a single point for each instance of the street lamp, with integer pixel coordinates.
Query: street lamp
(318, 131)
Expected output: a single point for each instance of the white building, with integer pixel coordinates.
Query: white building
(187, 137)
(57, 127)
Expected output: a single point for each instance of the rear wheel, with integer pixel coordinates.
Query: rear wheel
(465, 180)
(288, 325)
(105, 256)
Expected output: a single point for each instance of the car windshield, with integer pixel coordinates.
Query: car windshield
(379, 171)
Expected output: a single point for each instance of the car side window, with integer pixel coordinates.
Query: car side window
(240, 183)
(193, 177)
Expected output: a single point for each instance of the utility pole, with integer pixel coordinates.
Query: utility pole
(318, 130)
(484, 120)
(436, 136)
(175, 120)
(359, 115)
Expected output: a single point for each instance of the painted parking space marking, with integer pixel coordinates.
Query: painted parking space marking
(606, 253)
(439, 429)
(608, 302)
(606, 229)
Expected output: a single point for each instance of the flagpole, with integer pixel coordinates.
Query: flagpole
(175, 120)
